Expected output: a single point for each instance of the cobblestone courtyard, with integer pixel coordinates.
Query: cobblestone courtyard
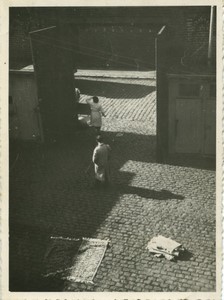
(52, 195)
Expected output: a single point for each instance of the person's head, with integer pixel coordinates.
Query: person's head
(95, 99)
(99, 139)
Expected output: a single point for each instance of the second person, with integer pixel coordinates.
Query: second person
(96, 113)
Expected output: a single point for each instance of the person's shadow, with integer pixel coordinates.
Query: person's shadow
(147, 193)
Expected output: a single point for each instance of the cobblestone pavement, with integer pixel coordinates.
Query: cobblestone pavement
(51, 194)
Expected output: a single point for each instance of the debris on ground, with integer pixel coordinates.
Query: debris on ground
(161, 246)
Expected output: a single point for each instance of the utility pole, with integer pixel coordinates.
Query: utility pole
(210, 36)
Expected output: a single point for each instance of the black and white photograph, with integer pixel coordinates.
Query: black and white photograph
(112, 142)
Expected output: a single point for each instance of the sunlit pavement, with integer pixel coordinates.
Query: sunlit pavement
(51, 193)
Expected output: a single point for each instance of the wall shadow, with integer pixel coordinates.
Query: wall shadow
(27, 248)
(51, 194)
(113, 89)
(192, 161)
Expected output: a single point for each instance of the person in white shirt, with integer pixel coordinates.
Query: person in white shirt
(96, 113)
(100, 158)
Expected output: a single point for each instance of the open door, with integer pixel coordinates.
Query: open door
(53, 66)
(162, 64)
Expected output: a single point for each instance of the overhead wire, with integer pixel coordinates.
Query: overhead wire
(84, 53)
(86, 48)
(98, 53)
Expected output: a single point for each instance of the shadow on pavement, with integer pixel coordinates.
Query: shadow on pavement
(51, 194)
(192, 161)
(114, 89)
(28, 246)
(149, 194)
(185, 256)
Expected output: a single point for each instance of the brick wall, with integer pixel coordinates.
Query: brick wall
(22, 21)
(197, 37)
(115, 38)
(19, 50)
(117, 47)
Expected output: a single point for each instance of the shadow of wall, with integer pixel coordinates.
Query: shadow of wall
(113, 89)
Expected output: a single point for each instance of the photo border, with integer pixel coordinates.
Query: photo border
(4, 64)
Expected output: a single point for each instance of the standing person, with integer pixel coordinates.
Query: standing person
(77, 95)
(75, 105)
(96, 113)
(101, 157)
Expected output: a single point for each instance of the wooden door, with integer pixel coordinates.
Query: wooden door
(188, 126)
(210, 121)
(53, 66)
(210, 128)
